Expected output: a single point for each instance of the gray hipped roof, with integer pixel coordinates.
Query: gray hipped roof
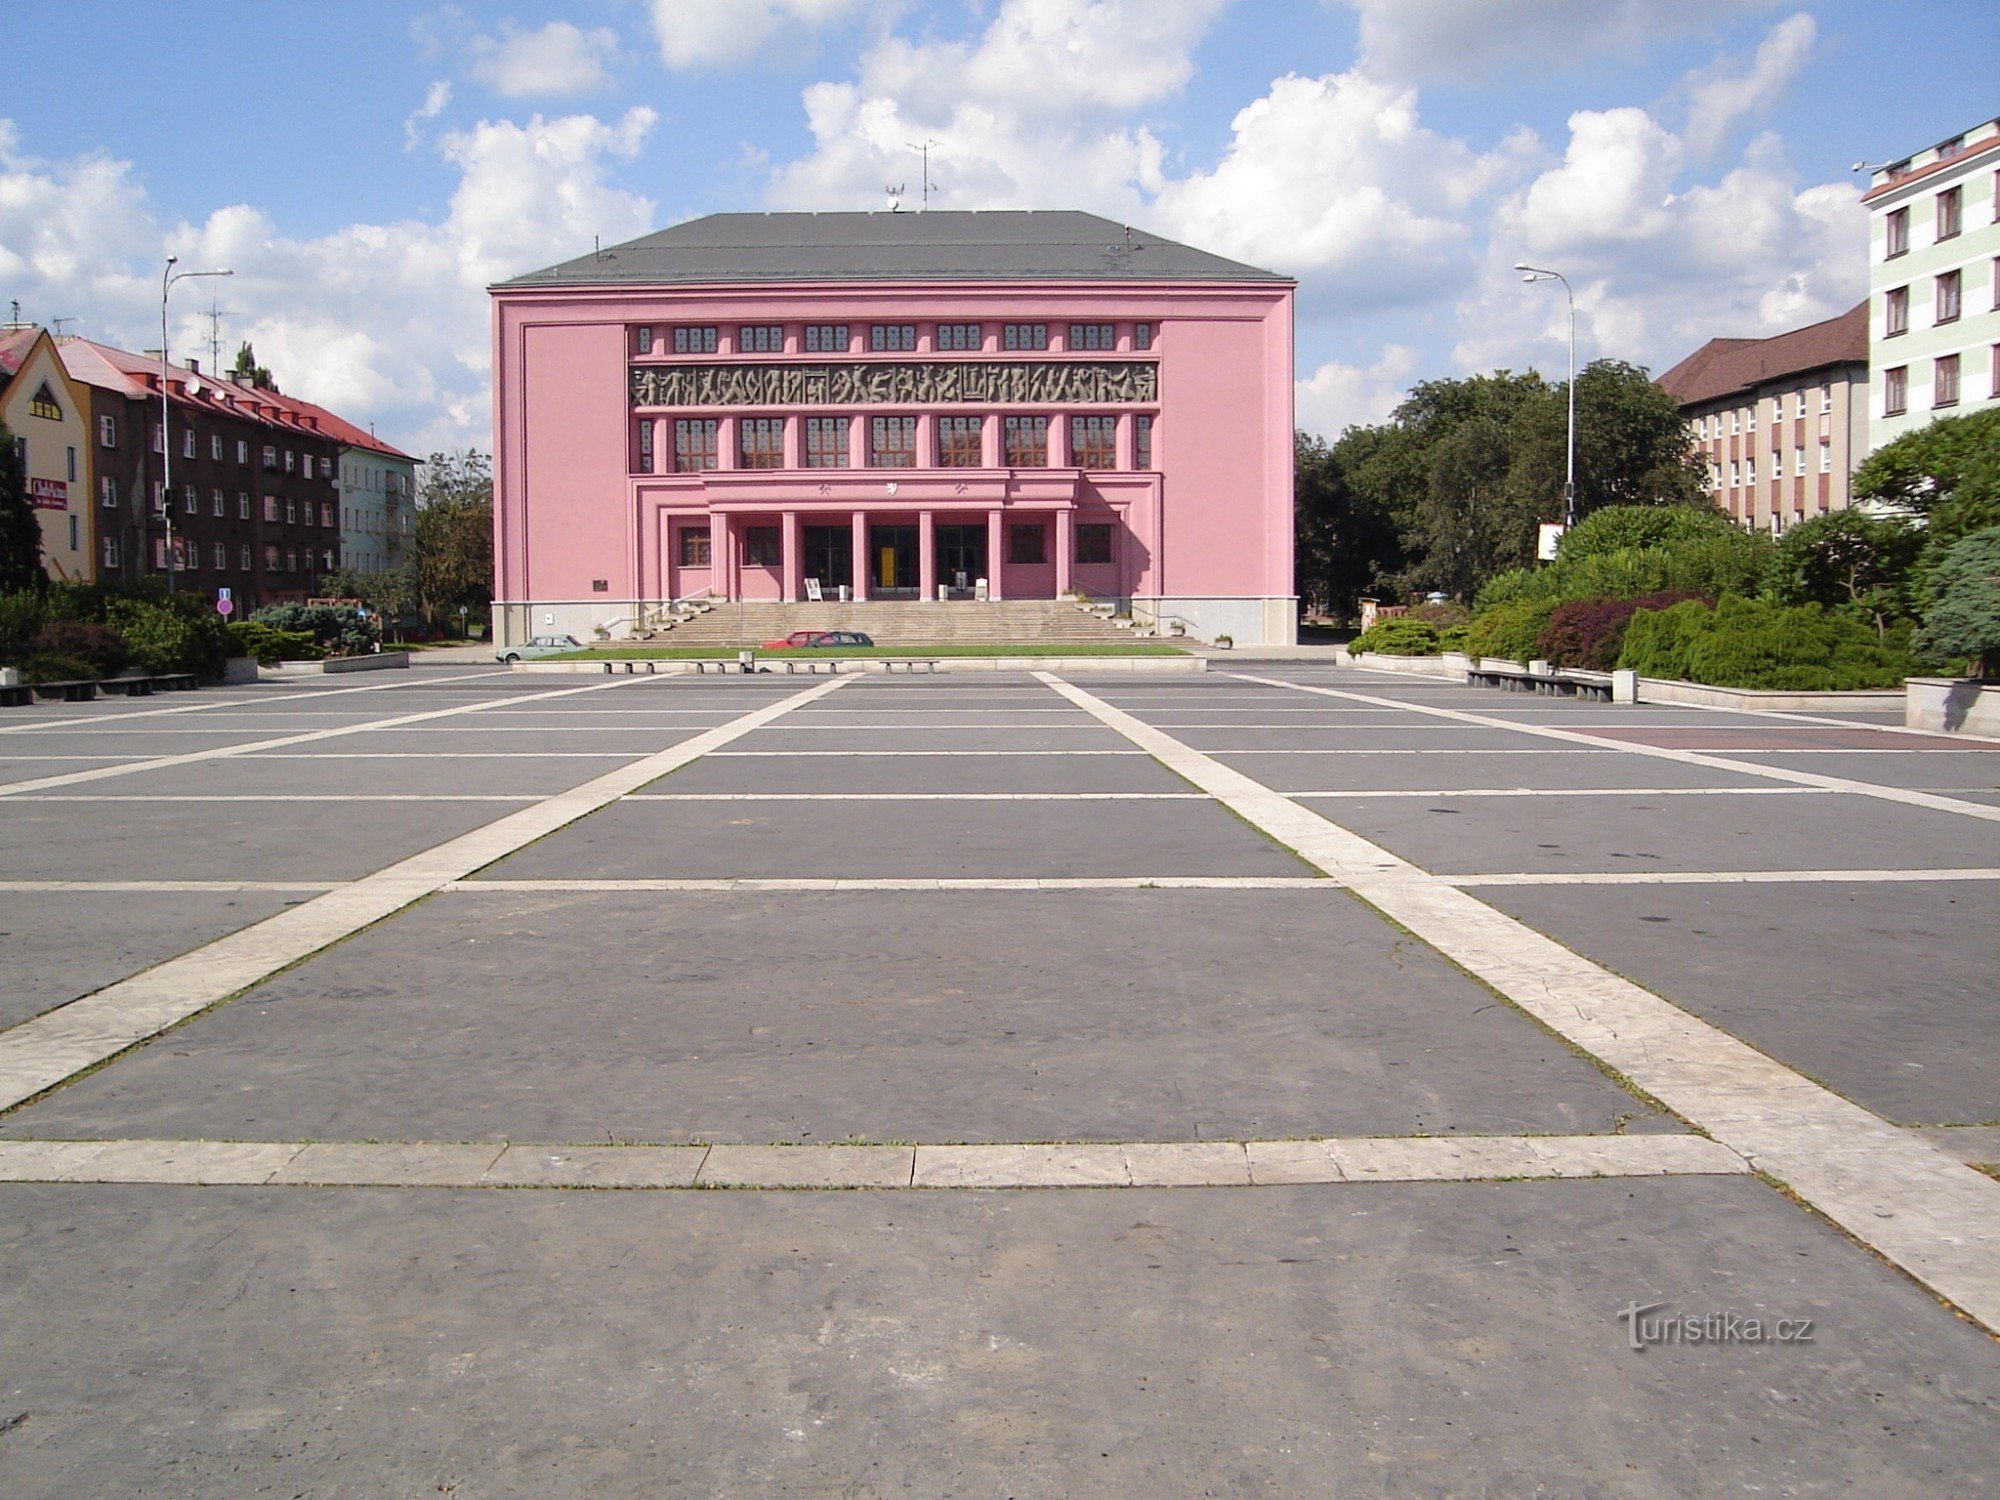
(1003, 245)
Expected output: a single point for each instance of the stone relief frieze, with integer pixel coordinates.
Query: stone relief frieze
(940, 382)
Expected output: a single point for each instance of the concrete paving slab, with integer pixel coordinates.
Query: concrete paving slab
(64, 944)
(1436, 1160)
(807, 1166)
(395, 1164)
(920, 773)
(1882, 992)
(596, 1166)
(1039, 736)
(1411, 767)
(336, 772)
(1133, 1342)
(1820, 832)
(192, 1163)
(1889, 765)
(1172, 1015)
(913, 839)
(1021, 1166)
(1186, 1163)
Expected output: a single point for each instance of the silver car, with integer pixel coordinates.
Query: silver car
(541, 645)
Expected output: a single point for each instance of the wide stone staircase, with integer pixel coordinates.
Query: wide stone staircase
(899, 622)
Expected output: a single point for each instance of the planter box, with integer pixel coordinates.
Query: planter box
(1952, 705)
(1662, 690)
(239, 669)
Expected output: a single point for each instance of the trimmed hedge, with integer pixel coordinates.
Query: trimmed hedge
(1512, 630)
(1745, 643)
(271, 646)
(1400, 635)
(342, 631)
(99, 647)
(1590, 633)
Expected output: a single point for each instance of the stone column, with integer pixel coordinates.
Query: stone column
(788, 584)
(1061, 520)
(926, 557)
(861, 554)
(722, 555)
(996, 555)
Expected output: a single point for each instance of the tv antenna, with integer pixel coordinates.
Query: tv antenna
(924, 148)
(215, 314)
(55, 325)
(895, 193)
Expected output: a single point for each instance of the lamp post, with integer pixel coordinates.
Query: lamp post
(167, 279)
(1536, 273)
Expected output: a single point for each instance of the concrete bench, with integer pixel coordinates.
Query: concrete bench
(910, 663)
(703, 665)
(175, 682)
(637, 667)
(810, 665)
(16, 695)
(128, 687)
(1559, 682)
(80, 691)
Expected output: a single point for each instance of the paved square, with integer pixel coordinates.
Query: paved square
(1193, 1057)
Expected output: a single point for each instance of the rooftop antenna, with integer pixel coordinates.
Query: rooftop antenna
(925, 149)
(215, 314)
(14, 315)
(895, 197)
(56, 324)
(597, 249)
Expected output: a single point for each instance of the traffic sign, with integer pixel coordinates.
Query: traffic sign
(225, 606)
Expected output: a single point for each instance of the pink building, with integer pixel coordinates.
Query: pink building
(780, 406)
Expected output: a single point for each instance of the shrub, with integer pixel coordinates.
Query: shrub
(338, 628)
(1404, 635)
(1620, 528)
(1440, 615)
(1747, 643)
(1512, 586)
(1590, 633)
(54, 668)
(1511, 630)
(99, 645)
(1452, 637)
(271, 646)
(176, 634)
(1965, 619)
(22, 616)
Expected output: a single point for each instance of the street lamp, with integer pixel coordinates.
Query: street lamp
(1536, 273)
(167, 279)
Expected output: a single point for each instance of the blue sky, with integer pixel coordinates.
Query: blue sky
(1686, 161)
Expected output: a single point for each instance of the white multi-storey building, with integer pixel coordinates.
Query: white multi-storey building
(1934, 284)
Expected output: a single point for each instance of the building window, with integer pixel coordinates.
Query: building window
(1093, 442)
(1027, 442)
(243, 450)
(1826, 395)
(763, 547)
(107, 492)
(75, 532)
(892, 337)
(961, 442)
(1142, 335)
(826, 442)
(760, 338)
(109, 550)
(694, 546)
(291, 512)
(1736, 420)
(1750, 418)
(761, 443)
(107, 432)
(694, 340)
(72, 463)
(270, 457)
(243, 557)
(1896, 391)
(216, 504)
(1798, 462)
(159, 440)
(187, 442)
(270, 557)
(1142, 442)
(960, 336)
(1993, 366)
(645, 446)
(1024, 336)
(326, 470)
(159, 502)
(215, 446)
(1944, 381)
(242, 506)
(1093, 542)
(642, 340)
(326, 559)
(221, 556)
(1093, 336)
(326, 513)
(892, 442)
(292, 559)
(1027, 543)
(1799, 402)
(290, 466)
(190, 500)
(271, 508)
(694, 443)
(1949, 203)
(1896, 232)
(1826, 458)
(1946, 296)
(826, 338)
(1750, 469)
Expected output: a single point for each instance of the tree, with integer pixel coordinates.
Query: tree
(1850, 558)
(451, 550)
(1347, 541)
(20, 532)
(1948, 472)
(1965, 619)
(388, 595)
(246, 367)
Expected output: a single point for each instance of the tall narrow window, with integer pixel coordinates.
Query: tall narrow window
(215, 446)
(1946, 296)
(107, 432)
(1896, 391)
(645, 446)
(960, 336)
(107, 492)
(216, 504)
(1093, 442)
(1142, 335)
(1896, 233)
(221, 555)
(826, 442)
(1944, 381)
(694, 444)
(761, 443)
(960, 442)
(1993, 365)
(1142, 442)
(1027, 442)
(1949, 204)
(892, 442)
(1024, 336)
(826, 338)
(187, 442)
(243, 557)
(110, 550)
(642, 340)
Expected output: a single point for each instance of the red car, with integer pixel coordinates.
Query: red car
(799, 638)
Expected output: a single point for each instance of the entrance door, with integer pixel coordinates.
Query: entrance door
(961, 555)
(892, 562)
(829, 556)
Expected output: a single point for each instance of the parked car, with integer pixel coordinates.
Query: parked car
(845, 639)
(541, 645)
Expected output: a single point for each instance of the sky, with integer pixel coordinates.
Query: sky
(368, 170)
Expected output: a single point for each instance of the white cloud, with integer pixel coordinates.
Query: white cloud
(436, 98)
(1482, 39)
(1337, 396)
(719, 33)
(1720, 98)
(557, 59)
(380, 322)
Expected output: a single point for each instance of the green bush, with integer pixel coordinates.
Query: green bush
(171, 634)
(1620, 528)
(55, 668)
(22, 616)
(1452, 637)
(338, 628)
(1400, 635)
(99, 645)
(1746, 643)
(1512, 586)
(271, 646)
(1964, 619)
(1589, 633)
(1512, 630)
(1441, 615)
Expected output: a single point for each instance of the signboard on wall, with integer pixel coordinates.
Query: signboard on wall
(48, 494)
(923, 382)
